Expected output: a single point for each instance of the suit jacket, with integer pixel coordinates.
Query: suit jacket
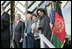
(18, 31)
(5, 22)
(45, 27)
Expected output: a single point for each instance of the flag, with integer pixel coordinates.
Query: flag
(58, 27)
(52, 16)
(52, 19)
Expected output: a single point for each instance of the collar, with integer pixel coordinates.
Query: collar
(2, 12)
(18, 21)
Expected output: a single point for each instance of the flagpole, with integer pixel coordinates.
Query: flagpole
(37, 5)
(45, 4)
(51, 22)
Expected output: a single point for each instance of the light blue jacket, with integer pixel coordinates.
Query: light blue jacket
(37, 25)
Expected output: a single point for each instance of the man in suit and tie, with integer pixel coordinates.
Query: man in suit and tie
(17, 30)
(5, 29)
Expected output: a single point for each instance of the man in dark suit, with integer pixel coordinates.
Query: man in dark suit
(17, 30)
(44, 23)
(5, 29)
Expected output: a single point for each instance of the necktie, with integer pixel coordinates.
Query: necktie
(15, 24)
(15, 27)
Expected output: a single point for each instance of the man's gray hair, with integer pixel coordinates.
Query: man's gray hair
(18, 15)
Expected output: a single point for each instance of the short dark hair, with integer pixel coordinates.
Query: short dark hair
(34, 15)
(41, 9)
(29, 12)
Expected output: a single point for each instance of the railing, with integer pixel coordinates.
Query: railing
(44, 40)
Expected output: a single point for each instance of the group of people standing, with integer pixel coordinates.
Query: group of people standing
(26, 35)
